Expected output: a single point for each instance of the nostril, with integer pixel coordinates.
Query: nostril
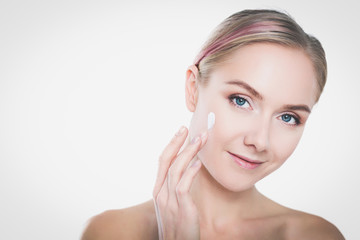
(257, 139)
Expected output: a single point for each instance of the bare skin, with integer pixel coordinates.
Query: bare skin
(139, 222)
(262, 98)
(258, 218)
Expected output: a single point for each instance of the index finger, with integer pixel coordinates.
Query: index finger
(166, 157)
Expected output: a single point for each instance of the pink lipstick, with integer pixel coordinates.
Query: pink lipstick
(244, 162)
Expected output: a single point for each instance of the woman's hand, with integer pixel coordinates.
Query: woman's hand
(176, 213)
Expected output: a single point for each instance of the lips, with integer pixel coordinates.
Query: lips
(245, 162)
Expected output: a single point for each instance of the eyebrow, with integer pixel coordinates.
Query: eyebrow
(247, 87)
(298, 107)
(256, 94)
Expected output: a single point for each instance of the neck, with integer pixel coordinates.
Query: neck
(217, 205)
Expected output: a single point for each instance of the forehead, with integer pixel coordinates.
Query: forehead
(277, 72)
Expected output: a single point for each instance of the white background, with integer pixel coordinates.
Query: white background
(92, 91)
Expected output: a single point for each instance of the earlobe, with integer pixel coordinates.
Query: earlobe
(191, 87)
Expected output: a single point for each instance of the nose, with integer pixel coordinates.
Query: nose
(258, 135)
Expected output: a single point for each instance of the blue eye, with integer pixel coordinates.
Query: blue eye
(290, 119)
(286, 117)
(239, 101)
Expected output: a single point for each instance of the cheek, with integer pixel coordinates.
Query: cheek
(231, 127)
(224, 133)
(199, 119)
(283, 143)
(198, 123)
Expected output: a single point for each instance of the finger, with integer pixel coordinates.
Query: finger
(179, 167)
(180, 164)
(183, 189)
(169, 153)
(183, 159)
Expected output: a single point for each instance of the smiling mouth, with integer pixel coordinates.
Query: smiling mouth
(245, 162)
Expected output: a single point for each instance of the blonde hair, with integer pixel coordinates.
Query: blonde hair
(253, 26)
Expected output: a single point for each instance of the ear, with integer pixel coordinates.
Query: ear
(191, 87)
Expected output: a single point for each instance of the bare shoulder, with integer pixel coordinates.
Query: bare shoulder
(302, 225)
(137, 222)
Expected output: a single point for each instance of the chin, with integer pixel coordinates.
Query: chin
(235, 179)
(230, 181)
(236, 186)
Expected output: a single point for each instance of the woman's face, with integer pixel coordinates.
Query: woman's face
(261, 96)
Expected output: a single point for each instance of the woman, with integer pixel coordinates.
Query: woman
(256, 80)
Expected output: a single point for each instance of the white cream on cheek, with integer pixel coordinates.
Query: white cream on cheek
(211, 120)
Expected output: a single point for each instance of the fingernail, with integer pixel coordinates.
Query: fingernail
(181, 131)
(195, 140)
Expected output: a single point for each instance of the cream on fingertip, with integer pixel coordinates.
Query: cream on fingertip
(211, 120)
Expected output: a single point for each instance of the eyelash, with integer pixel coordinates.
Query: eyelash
(296, 119)
(232, 99)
